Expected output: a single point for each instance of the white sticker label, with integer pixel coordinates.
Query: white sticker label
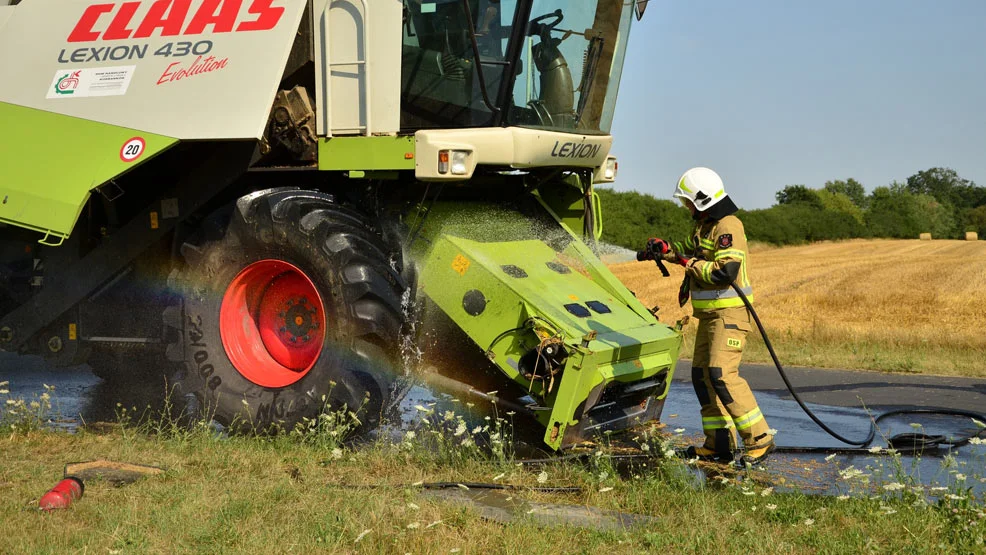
(428, 8)
(132, 149)
(95, 81)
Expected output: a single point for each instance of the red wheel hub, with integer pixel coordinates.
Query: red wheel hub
(272, 323)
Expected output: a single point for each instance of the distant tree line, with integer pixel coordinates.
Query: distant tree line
(935, 201)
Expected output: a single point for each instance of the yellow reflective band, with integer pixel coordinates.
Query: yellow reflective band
(731, 252)
(749, 419)
(716, 423)
(681, 185)
(706, 244)
(720, 193)
(707, 273)
(721, 303)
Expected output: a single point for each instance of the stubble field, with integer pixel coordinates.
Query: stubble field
(888, 305)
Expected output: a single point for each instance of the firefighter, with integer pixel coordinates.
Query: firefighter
(714, 255)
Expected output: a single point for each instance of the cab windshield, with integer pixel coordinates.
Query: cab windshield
(547, 64)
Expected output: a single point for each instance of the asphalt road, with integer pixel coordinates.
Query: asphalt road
(845, 388)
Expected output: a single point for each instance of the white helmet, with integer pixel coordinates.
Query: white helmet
(702, 187)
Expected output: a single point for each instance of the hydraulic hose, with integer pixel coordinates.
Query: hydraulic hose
(901, 442)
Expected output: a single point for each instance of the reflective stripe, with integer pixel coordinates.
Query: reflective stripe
(749, 419)
(717, 423)
(712, 294)
(720, 193)
(706, 244)
(681, 184)
(731, 252)
(720, 303)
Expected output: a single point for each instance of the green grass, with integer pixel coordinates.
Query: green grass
(304, 492)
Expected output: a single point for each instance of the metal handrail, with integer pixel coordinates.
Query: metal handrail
(364, 62)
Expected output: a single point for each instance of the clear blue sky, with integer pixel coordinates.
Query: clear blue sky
(771, 93)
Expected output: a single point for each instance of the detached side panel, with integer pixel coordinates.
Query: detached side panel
(51, 162)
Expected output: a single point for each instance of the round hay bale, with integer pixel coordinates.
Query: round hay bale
(971, 236)
(925, 236)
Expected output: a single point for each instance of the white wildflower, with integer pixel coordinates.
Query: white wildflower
(476, 430)
(422, 409)
(772, 431)
(4, 391)
(973, 441)
(938, 488)
(809, 521)
(830, 457)
(876, 449)
(362, 535)
(960, 477)
(850, 473)
(498, 476)
(449, 415)
(916, 426)
(644, 447)
(679, 430)
(337, 453)
(603, 475)
(413, 507)
(748, 492)
(410, 435)
(414, 525)
(842, 497)
(460, 429)
(543, 477)
(669, 453)
(771, 507)
(766, 492)
(954, 497)
(978, 423)
(4, 383)
(454, 550)
(11, 402)
(468, 442)
(604, 490)
(893, 486)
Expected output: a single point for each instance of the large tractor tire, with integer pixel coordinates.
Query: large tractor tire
(291, 302)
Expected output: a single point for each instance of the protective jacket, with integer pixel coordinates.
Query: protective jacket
(718, 249)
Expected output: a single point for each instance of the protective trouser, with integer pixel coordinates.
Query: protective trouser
(728, 405)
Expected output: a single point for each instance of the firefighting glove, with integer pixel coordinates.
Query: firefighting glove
(657, 246)
(683, 260)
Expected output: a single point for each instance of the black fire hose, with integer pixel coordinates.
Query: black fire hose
(905, 442)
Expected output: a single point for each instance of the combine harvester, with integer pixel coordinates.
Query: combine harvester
(256, 191)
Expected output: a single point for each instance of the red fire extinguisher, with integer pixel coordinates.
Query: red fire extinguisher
(62, 495)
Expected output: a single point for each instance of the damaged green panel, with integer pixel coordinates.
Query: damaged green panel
(494, 272)
(53, 162)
